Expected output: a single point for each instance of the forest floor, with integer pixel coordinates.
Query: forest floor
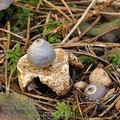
(88, 30)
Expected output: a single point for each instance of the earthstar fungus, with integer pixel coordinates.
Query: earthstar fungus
(56, 76)
(95, 91)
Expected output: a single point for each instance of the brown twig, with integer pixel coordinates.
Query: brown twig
(43, 108)
(40, 97)
(94, 56)
(81, 44)
(78, 104)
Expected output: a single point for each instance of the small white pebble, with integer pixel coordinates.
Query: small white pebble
(80, 85)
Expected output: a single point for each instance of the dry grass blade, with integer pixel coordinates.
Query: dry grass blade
(78, 104)
(7, 31)
(68, 9)
(28, 33)
(57, 8)
(110, 106)
(79, 21)
(99, 8)
(8, 45)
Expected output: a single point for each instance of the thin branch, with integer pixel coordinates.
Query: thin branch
(82, 44)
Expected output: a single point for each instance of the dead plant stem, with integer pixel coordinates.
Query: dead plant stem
(79, 21)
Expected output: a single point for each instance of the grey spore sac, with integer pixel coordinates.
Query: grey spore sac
(41, 53)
